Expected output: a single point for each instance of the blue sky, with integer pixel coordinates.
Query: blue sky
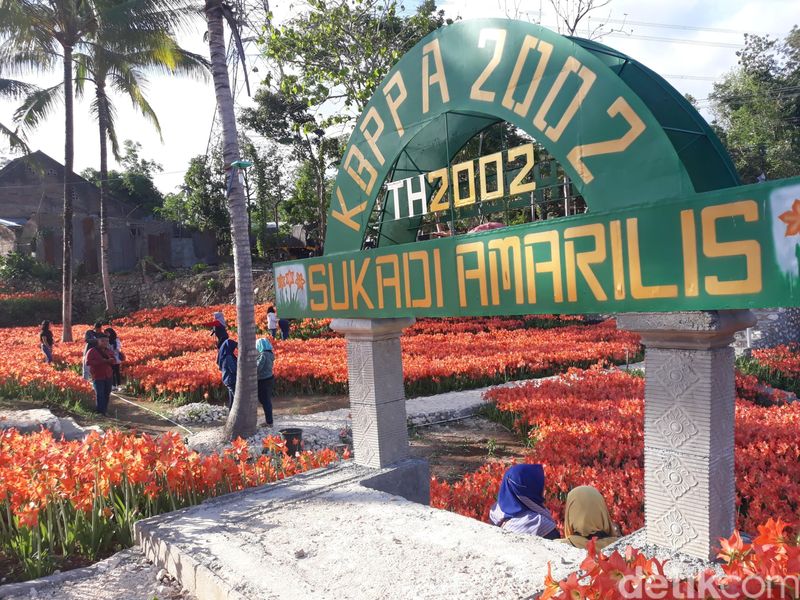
(699, 52)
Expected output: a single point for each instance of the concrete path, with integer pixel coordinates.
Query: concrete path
(323, 535)
(127, 575)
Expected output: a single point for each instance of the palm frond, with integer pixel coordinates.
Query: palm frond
(37, 107)
(15, 141)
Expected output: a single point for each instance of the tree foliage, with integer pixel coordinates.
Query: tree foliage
(134, 182)
(757, 108)
(328, 61)
(200, 203)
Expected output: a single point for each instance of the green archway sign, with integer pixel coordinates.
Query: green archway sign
(668, 226)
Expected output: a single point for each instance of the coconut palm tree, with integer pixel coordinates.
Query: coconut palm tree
(119, 64)
(242, 419)
(38, 35)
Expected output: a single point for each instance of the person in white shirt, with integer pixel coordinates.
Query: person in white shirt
(272, 322)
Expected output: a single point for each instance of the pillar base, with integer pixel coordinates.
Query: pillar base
(690, 496)
(377, 396)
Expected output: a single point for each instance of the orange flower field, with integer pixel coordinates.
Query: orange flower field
(82, 498)
(586, 428)
(179, 364)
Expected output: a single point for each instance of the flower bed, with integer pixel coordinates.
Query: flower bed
(432, 363)
(586, 428)
(778, 366)
(61, 499)
(769, 567)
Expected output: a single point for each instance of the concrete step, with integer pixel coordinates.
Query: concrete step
(324, 535)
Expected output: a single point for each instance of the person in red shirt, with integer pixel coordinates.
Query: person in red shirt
(101, 361)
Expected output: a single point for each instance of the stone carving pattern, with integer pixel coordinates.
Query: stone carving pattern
(363, 422)
(676, 427)
(675, 529)
(675, 478)
(676, 376)
(360, 372)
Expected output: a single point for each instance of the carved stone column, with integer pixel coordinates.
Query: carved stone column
(690, 497)
(377, 397)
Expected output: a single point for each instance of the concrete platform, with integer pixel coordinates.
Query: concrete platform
(324, 535)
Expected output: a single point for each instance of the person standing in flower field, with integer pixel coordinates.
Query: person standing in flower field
(219, 328)
(272, 322)
(226, 361)
(90, 337)
(520, 503)
(46, 339)
(266, 378)
(284, 326)
(115, 346)
(101, 362)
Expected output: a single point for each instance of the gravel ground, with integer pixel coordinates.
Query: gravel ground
(127, 575)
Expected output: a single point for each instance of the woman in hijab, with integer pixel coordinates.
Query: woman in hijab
(586, 517)
(226, 361)
(219, 328)
(520, 503)
(266, 359)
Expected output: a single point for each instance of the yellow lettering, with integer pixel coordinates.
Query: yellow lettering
(689, 239)
(373, 137)
(499, 38)
(346, 215)
(437, 275)
(467, 167)
(439, 202)
(572, 65)
(478, 273)
(363, 165)
(636, 128)
(317, 288)
(528, 45)
(499, 192)
(517, 186)
(509, 251)
(396, 81)
(638, 290)
(422, 257)
(552, 266)
(583, 260)
(617, 261)
(750, 249)
(344, 304)
(384, 282)
(438, 77)
(358, 283)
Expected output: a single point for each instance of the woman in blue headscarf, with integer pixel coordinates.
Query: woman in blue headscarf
(520, 503)
(226, 361)
(266, 359)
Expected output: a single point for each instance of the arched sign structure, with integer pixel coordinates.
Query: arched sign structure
(668, 227)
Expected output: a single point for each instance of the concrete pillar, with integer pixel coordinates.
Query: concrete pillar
(377, 397)
(690, 497)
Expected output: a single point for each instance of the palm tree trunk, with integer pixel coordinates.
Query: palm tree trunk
(242, 419)
(66, 282)
(102, 119)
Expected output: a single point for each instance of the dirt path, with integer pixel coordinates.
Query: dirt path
(460, 447)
